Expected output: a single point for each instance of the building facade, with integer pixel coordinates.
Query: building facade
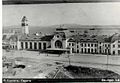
(9, 40)
(115, 45)
(62, 39)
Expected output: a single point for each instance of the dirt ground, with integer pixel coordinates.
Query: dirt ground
(40, 65)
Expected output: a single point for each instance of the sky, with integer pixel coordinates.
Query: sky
(63, 13)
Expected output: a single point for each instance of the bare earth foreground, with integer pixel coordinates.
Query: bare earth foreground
(31, 64)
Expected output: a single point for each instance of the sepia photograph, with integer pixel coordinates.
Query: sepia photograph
(61, 41)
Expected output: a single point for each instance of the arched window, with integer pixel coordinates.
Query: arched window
(92, 50)
(39, 45)
(82, 50)
(44, 45)
(22, 45)
(35, 45)
(26, 45)
(30, 45)
(58, 44)
(88, 50)
(85, 50)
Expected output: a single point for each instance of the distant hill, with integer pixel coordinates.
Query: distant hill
(32, 29)
(92, 29)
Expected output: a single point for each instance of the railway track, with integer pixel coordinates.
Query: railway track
(61, 69)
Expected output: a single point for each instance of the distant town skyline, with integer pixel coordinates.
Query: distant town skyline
(64, 13)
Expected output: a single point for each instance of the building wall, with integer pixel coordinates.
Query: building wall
(89, 47)
(57, 37)
(33, 45)
(115, 48)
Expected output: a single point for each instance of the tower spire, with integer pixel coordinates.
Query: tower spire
(24, 24)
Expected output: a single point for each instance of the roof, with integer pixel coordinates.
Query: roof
(8, 37)
(36, 37)
(115, 37)
(29, 37)
(64, 34)
(13, 38)
(89, 38)
(47, 38)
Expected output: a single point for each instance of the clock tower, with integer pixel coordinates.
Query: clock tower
(24, 24)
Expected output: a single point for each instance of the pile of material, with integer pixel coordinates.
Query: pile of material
(87, 72)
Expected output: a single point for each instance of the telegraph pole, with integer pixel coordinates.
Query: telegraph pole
(107, 59)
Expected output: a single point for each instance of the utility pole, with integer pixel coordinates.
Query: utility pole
(69, 59)
(107, 58)
(69, 56)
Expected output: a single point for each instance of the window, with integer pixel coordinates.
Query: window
(82, 50)
(13, 47)
(91, 50)
(118, 41)
(113, 45)
(85, 45)
(119, 52)
(69, 44)
(95, 50)
(72, 50)
(77, 46)
(22, 45)
(91, 45)
(58, 44)
(57, 36)
(35, 45)
(114, 52)
(77, 42)
(72, 44)
(77, 51)
(39, 45)
(81, 44)
(105, 45)
(85, 50)
(108, 51)
(95, 45)
(26, 45)
(105, 51)
(30, 45)
(118, 46)
(88, 50)
(44, 45)
(88, 39)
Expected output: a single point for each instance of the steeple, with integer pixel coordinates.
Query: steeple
(24, 24)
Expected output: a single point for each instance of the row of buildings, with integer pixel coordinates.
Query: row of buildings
(62, 40)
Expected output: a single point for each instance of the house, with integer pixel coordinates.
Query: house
(9, 40)
(115, 44)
